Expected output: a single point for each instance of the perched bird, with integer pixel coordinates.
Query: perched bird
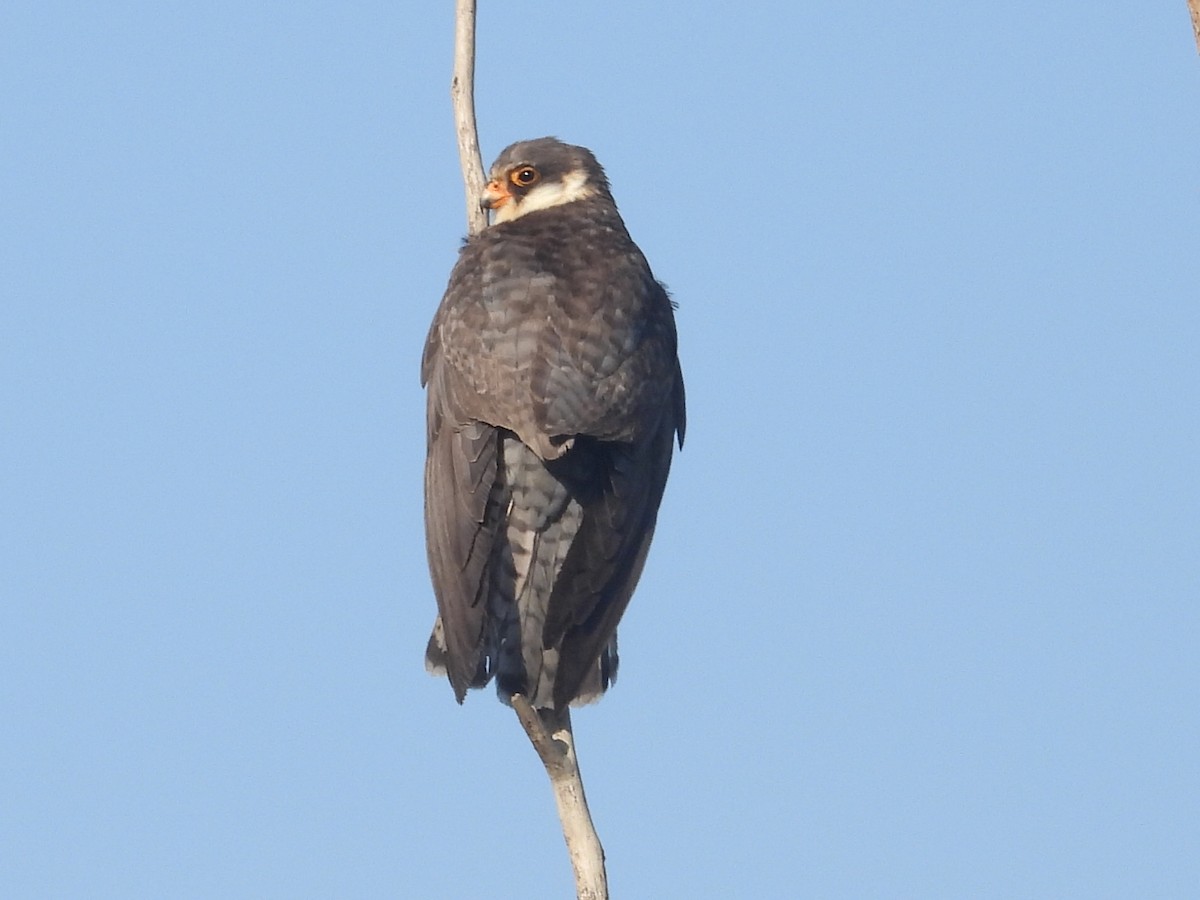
(554, 400)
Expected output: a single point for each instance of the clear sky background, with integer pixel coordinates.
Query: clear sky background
(922, 616)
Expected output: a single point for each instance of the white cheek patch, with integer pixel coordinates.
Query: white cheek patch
(573, 187)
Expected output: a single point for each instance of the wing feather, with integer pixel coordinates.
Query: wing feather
(463, 504)
(605, 561)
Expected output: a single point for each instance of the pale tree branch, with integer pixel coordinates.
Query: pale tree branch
(462, 96)
(1194, 8)
(548, 730)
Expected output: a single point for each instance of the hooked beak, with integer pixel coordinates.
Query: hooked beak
(495, 195)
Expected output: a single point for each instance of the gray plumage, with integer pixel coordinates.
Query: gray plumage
(554, 400)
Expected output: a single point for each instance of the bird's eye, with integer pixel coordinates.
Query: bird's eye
(524, 176)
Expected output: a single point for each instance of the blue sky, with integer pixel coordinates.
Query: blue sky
(921, 617)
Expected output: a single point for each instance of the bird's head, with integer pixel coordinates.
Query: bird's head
(539, 174)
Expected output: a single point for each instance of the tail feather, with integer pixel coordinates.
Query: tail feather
(543, 516)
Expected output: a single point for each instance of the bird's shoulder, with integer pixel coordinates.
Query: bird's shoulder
(555, 317)
(576, 262)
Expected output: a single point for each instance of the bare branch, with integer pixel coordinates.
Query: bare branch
(1194, 7)
(462, 95)
(549, 731)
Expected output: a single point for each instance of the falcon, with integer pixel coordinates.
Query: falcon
(555, 399)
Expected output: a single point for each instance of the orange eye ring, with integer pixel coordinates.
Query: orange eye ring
(524, 176)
